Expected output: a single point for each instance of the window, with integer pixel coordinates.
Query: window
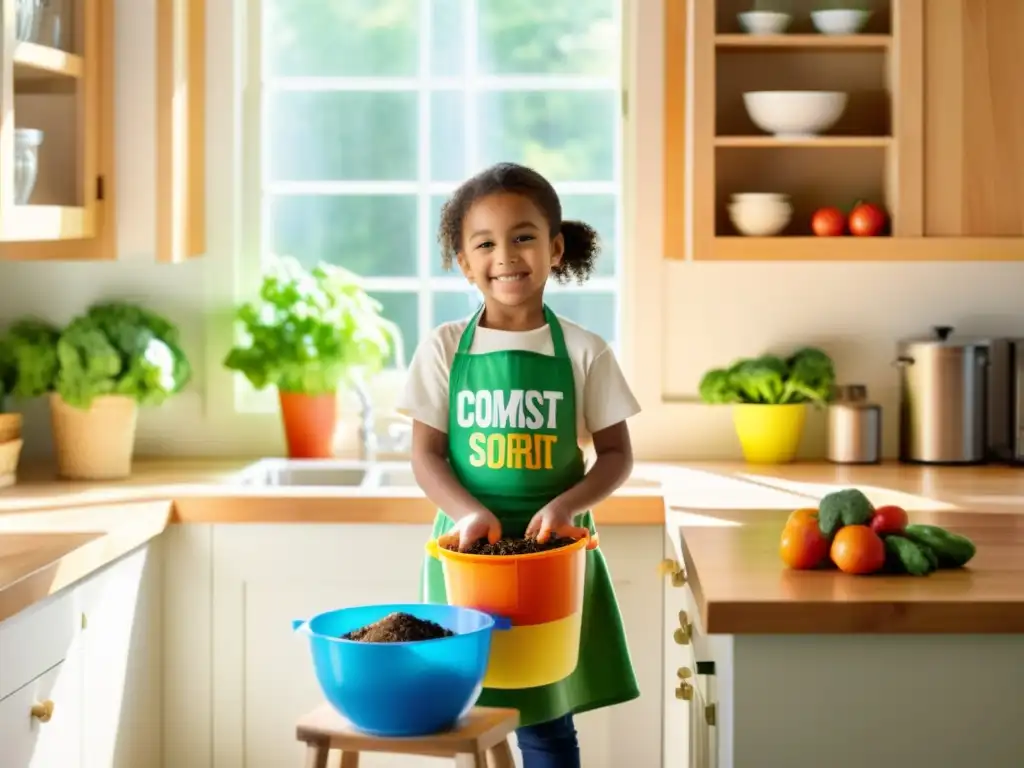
(372, 111)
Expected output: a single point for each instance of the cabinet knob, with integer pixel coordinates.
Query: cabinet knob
(684, 692)
(42, 711)
(683, 635)
(683, 673)
(671, 568)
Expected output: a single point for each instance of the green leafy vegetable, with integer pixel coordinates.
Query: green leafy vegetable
(848, 506)
(310, 330)
(115, 348)
(806, 376)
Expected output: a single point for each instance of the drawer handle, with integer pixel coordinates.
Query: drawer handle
(669, 567)
(683, 635)
(684, 692)
(43, 711)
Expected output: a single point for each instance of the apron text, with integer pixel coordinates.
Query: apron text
(514, 450)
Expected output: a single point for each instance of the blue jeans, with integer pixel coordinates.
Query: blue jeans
(550, 745)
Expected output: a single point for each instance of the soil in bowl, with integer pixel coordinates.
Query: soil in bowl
(527, 546)
(398, 628)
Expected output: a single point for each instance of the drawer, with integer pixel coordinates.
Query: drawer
(36, 639)
(29, 741)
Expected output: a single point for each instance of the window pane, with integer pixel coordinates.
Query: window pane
(403, 309)
(447, 136)
(519, 37)
(372, 235)
(446, 53)
(599, 211)
(565, 135)
(363, 136)
(595, 311)
(454, 305)
(307, 37)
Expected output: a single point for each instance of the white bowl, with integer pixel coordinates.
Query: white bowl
(764, 22)
(794, 114)
(760, 218)
(840, 21)
(759, 197)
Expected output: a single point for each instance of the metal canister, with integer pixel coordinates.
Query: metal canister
(854, 427)
(943, 398)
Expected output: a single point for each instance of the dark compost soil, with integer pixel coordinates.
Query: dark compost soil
(398, 628)
(525, 546)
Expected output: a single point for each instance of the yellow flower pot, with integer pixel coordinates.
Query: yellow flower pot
(769, 434)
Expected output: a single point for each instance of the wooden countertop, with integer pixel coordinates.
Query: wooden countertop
(65, 530)
(741, 586)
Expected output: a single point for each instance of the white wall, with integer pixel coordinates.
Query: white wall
(686, 317)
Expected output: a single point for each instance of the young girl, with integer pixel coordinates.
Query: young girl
(504, 228)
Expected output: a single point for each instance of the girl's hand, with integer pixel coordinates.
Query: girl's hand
(471, 528)
(550, 521)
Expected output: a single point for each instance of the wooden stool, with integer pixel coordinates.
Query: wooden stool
(481, 736)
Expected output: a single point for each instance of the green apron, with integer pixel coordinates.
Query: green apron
(528, 401)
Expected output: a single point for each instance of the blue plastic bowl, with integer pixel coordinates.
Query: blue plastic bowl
(400, 689)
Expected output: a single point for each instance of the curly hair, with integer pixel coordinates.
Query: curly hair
(582, 244)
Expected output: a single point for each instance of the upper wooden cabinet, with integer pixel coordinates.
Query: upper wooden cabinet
(924, 82)
(57, 158)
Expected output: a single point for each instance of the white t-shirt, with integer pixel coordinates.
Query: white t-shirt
(603, 397)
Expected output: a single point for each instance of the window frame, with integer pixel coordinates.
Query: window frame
(234, 73)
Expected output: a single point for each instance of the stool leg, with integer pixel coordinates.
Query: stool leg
(349, 760)
(316, 754)
(501, 756)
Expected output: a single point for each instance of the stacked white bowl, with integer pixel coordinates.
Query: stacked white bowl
(760, 214)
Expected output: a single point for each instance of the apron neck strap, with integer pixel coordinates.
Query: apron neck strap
(557, 337)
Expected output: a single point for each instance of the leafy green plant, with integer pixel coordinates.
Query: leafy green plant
(806, 376)
(310, 330)
(115, 348)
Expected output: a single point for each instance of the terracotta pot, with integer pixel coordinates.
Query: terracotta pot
(10, 426)
(95, 443)
(309, 423)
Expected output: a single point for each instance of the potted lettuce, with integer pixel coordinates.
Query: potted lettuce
(307, 334)
(98, 371)
(769, 396)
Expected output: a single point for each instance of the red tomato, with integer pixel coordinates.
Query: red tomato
(866, 220)
(858, 550)
(828, 222)
(802, 546)
(889, 519)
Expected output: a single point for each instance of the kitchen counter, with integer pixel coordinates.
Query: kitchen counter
(123, 515)
(741, 587)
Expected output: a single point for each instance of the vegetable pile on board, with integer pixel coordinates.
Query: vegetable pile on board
(847, 531)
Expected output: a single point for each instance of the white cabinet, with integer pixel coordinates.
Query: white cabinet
(82, 673)
(233, 591)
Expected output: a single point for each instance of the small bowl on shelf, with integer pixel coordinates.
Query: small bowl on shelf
(840, 21)
(794, 114)
(764, 22)
(760, 214)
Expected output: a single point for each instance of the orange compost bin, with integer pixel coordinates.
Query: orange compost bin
(537, 599)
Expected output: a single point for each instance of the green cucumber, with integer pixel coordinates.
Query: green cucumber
(952, 549)
(904, 555)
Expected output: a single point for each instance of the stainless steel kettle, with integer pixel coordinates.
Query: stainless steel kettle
(943, 410)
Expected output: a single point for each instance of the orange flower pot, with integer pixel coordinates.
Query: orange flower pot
(309, 422)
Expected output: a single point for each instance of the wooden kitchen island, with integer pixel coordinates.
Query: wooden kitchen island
(813, 669)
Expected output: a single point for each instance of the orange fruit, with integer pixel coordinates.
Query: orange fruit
(802, 514)
(802, 546)
(858, 550)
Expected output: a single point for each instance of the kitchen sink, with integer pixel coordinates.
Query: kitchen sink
(303, 472)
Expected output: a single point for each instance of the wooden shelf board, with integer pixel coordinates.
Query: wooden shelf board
(37, 223)
(849, 248)
(822, 142)
(869, 42)
(33, 61)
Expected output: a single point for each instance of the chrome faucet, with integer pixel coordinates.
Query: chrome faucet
(367, 423)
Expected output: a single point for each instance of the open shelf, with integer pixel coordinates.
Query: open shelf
(40, 62)
(727, 11)
(851, 174)
(811, 142)
(889, 249)
(816, 41)
(859, 74)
